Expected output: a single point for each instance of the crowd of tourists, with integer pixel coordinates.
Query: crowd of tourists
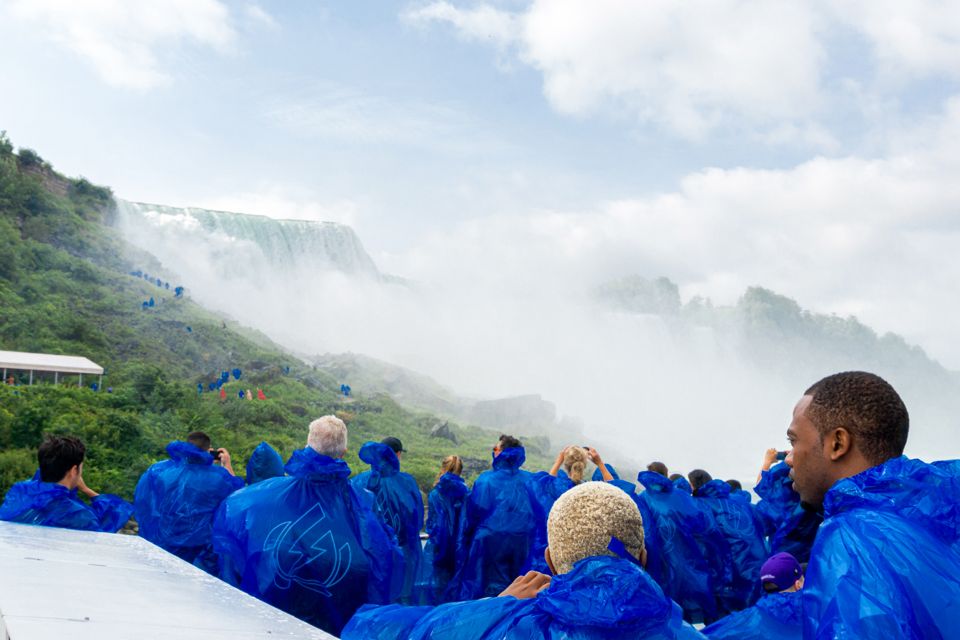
(849, 537)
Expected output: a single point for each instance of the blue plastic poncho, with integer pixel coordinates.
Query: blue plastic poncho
(176, 499)
(264, 463)
(886, 561)
(306, 543)
(617, 481)
(743, 534)
(676, 522)
(741, 495)
(789, 526)
(683, 484)
(444, 518)
(544, 489)
(777, 615)
(600, 598)
(398, 503)
(50, 504)
(498, 530)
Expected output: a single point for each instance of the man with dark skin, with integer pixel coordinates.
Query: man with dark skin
(885, 562)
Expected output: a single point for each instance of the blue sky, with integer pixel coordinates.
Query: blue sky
(806, 146)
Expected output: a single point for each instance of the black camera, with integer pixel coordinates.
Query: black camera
(782, 455)
(215, 453)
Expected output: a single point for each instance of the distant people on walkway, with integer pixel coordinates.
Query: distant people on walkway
(308, 542)
(50, 498)
(886, 560)
(499, 525)
(176, 499)
(398, 503)
(444, 519)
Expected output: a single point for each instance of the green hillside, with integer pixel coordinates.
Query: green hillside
(66, 288)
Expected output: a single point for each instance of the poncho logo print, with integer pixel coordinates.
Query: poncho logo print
(294, 545)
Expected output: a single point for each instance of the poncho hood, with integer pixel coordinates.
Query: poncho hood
(653, 481)
(34, 494)
(922, 493)
(452, 486)
(380, 457)
(510, 459)
(264, 463)
(307, 463)
(186, 452)
(607, 593)
(714, 489)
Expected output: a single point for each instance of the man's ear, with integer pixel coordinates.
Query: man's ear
(546, 556)
(643, 558)
(839, 443)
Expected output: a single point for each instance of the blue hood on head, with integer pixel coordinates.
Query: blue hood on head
(741, 495)
(307, 463)
(606, 592)
(714, 489)
(925, 494)
(510, 458)
(452, 486)
(380, 457)
(653, 481)
(264, 463)
(683, 484)
(186, 452)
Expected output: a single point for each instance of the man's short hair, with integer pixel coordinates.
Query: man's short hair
(328, 436)
(508, 442)
(865, 405)
(698, 478)
(57, 455)
(735, 485)
(658, 467)
(584, 520)
(675, 476)
(199, 439)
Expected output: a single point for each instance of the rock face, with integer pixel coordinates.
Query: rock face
(523, 414)
(442, 430)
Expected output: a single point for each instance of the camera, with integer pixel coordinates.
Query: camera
(782, 455)
(215, 453)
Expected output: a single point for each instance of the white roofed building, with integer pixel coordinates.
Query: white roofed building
(69, 365)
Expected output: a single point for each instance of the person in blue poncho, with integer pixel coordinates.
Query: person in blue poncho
(743, 534)
(616, 481)
(397, 502)
(886, 560)
(444, 518)
(777, 614)
(499, 524)
(599, 589)
(309, 542)
(737, 493)
(50, 498)
(789, 525)
(176, 499)
(264, 463)
(546, 486)
(677, 563)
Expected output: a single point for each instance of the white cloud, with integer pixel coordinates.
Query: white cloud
(916, 37)
(127, 41)
(481, 24)
(847, 235)
(775, 70)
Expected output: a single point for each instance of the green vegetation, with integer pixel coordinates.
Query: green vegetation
(65, 288)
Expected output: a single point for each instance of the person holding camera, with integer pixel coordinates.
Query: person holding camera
(176, 499)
